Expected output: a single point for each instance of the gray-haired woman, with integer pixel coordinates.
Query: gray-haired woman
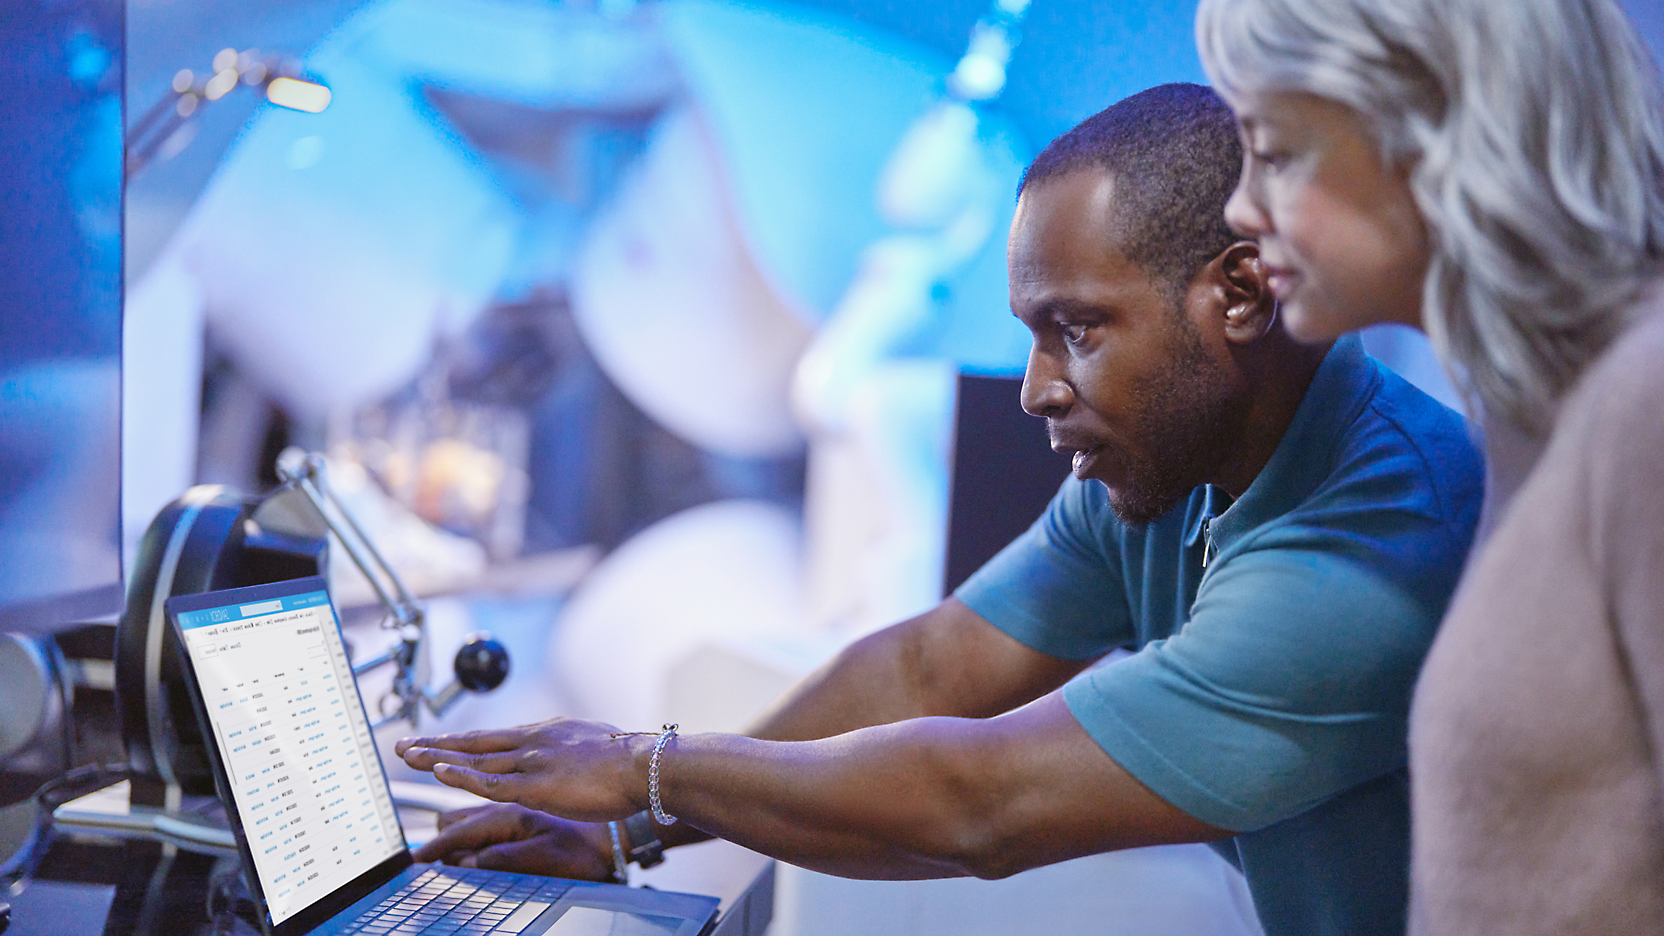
(1493, 172)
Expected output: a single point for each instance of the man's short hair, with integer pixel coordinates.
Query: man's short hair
(1175, 156)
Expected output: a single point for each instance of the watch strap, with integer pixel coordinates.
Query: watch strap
(645, 848)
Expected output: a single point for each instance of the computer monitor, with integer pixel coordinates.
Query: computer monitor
(60, 312)
(1004, 473)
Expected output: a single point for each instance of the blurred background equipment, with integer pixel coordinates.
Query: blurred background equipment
(60, 400)
(60, 390)
(60, 314)
(168, 127)
(875, 391)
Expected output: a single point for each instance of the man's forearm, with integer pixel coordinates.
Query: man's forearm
(827, 805)
(874, 681)
(927, 798)
(948, 661)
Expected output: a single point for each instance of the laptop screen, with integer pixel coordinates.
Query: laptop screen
(296, 745)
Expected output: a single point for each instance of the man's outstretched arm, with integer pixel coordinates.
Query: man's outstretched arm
(947, 661)
(928, 797)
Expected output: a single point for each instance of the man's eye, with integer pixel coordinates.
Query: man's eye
(1074, 334)
(1271, 159)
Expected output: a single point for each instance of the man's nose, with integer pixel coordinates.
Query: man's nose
(1044, 391)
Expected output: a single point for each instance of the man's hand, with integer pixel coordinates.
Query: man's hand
(566, 767)
(507, 837)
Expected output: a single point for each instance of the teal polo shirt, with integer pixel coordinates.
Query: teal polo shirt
(1277, 638)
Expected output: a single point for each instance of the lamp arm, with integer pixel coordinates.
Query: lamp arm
(400, 605)
(482, 663)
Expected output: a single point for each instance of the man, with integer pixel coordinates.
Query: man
(1275, 527)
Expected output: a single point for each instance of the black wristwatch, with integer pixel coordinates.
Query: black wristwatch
(645, 848)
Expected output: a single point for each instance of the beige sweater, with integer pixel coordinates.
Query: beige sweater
(1537, 731)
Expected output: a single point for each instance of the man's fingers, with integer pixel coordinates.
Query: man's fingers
(492, 786)
(537, 858)
(423, 758)
(468, 830)
(447, 819)
(437, 850)
(430, 852)
(468, 742)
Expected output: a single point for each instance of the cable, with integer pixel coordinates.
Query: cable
(46, 799)
(76, 778)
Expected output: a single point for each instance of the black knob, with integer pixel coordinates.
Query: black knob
(482, 663)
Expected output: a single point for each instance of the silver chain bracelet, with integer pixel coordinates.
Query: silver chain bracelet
(669, 732)
(663, 817)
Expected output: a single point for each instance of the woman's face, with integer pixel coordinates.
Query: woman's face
(1338, 229)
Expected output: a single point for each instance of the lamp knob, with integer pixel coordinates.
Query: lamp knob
(482, 663)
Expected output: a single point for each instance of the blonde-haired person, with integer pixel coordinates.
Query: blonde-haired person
(1493, 172)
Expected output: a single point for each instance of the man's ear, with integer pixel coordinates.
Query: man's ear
(1250, 309)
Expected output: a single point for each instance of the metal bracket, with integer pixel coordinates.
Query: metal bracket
(402, 611)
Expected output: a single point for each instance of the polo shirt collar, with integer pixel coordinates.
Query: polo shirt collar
(1340, 389)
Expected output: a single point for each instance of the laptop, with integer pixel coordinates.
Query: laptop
(297, 768)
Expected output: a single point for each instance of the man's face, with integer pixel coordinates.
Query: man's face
(1141, 393)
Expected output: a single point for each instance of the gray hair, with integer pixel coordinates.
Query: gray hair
(1534, 130)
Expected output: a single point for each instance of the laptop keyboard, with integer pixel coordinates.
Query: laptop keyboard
(461, 901)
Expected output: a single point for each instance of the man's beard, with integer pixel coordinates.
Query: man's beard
(1187, 420)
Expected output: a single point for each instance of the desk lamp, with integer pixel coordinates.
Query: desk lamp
(213, 537)
(166, 128)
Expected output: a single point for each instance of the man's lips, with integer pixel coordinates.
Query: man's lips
(1083, 463)
(1083, 455)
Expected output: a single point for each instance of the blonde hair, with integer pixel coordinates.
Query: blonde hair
(1534, 130)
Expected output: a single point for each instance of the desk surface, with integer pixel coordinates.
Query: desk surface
(155, 889)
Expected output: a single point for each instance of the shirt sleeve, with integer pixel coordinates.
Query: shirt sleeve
(1059, 588)
(1289, 684)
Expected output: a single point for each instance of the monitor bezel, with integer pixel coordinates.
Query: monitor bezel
(347, 894)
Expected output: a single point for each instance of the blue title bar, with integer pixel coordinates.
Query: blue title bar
(240, 612)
